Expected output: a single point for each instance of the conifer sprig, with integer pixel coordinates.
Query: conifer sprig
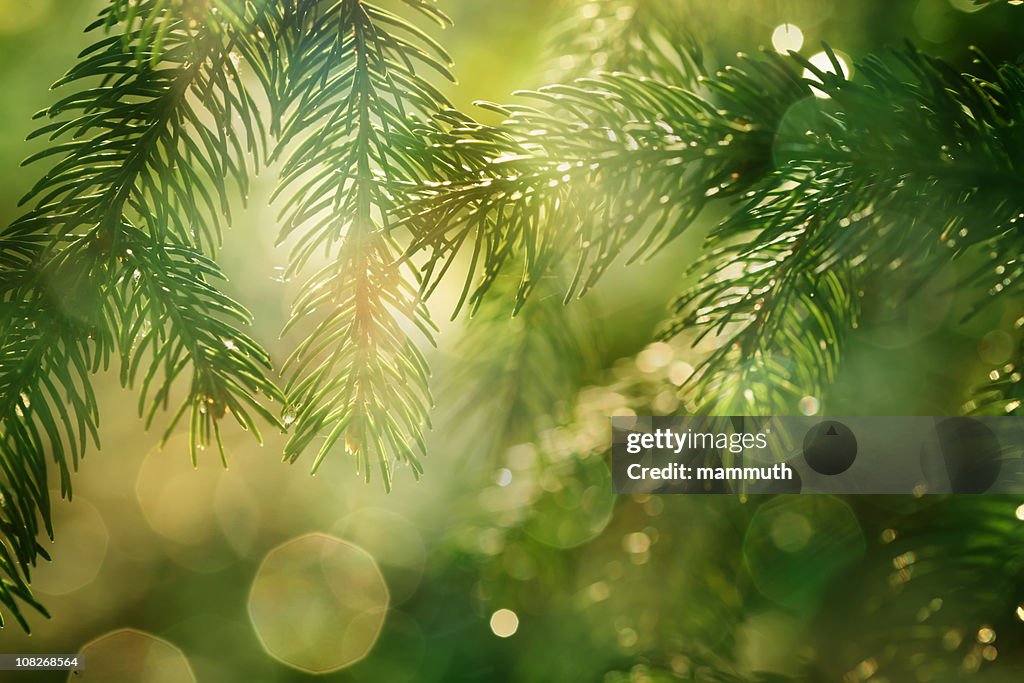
(606, 166)
(113, 256)
(897, 172)
(826, 192)
(355, 92)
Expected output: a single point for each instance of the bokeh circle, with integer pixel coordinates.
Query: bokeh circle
(318, 603)
(131, 656)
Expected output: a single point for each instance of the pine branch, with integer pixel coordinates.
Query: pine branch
(903, 170)
(778, 322)
(356, 96)
(173, 319)
(109, 259)
(47, 404)
(542, 354)
(833, 187)
(145, 146)
(605, 166)
(137, 138)
(529, 357)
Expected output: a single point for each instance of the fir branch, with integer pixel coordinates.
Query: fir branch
(146, 147)
(109, 259)
(834, 189)
(531, 358)
(138, 138)
(170, 309)
(356, 95)
(47, 405)
(905, 169)
(779, 324)
(601, 167)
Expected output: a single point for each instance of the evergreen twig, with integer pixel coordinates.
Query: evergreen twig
(114, 255)
(354, 96)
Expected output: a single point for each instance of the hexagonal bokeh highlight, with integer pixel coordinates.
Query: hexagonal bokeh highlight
(131, 656)
(318, 603)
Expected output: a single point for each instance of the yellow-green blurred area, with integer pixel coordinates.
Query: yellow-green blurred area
(516, 562)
